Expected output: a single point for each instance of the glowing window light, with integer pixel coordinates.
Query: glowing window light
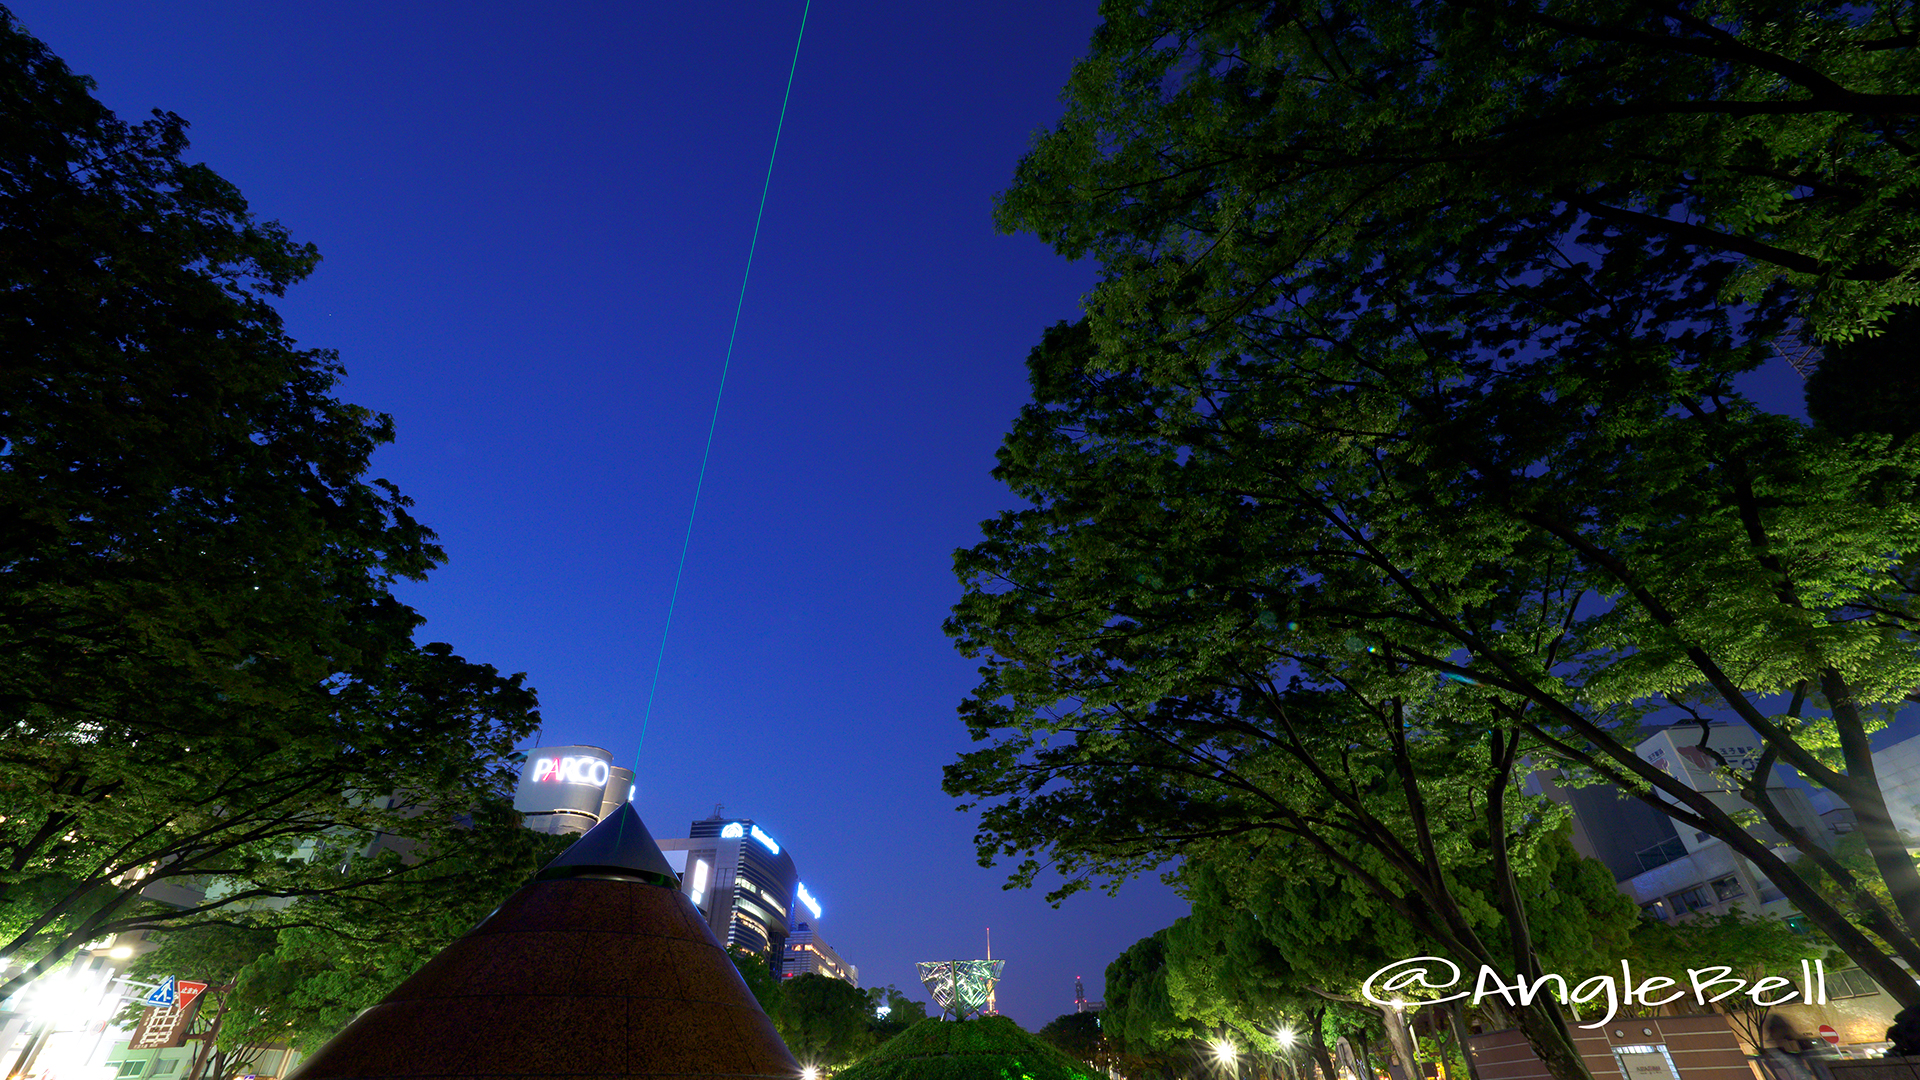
(807, 899)
(765, 839)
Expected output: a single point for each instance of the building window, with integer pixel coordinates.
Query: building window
(130, 1068)
(1727, 888)
(1661, 854)
(162, 1066)
(1850, 982)
(1658, 911)
(1689, 900)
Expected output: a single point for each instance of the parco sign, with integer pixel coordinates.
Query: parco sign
(591, 771)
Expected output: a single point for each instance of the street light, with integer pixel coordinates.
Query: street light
(1286, 1038)
(63, 998)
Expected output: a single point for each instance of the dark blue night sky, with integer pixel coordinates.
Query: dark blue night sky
(534, 220)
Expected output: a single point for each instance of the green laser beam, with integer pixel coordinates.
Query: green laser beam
(727, 363)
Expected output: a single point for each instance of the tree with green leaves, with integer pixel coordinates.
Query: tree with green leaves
(762, 982)
(297, 974)
(1139, 1013)
(985, 1046)
(1383, 427)
(1279, 942)
(211, 699)
(893, 1012)
(1871, 385)
(1755, 946)
(1399, 786)
(1078, 1035)
(829, 1022)
(1217, 156)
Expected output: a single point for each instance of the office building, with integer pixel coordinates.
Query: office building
(742, 880)
(568, 789)
(809, 953)
(1675, 872)
(1671, 870)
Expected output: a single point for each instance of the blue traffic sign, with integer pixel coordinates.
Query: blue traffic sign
(163, 995)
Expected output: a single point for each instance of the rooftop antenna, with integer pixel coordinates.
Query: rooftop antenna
(1798, 348)
(991, 1009)
(726, 363)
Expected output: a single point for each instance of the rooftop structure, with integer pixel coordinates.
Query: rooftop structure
(961, 988)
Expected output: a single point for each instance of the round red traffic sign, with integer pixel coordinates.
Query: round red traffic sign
(1827, 1033)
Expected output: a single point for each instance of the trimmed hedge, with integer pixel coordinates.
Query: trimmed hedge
(986, 1048)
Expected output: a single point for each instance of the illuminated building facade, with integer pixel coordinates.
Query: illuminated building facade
(568, 789)
(808, 953)
(743, 880)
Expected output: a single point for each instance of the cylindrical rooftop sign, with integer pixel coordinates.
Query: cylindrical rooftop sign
(563, 778)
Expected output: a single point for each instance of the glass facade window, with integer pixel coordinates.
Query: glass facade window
(130, 1068)
(1727, 888)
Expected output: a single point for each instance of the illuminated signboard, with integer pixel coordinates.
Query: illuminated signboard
(765, 839)
(733, 831)
(571, 770)
(807, 899)
(699, 881)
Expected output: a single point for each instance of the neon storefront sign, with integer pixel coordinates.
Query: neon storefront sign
(591, 771)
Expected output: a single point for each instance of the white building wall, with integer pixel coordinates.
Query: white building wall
(1898, 767)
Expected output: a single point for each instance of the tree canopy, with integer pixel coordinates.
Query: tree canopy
(962, 1050)
(208, 689)
(298, 973)
(1404, 418)
(1078, 1035)
(1217, 156)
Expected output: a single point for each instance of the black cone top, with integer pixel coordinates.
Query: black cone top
(618, 847)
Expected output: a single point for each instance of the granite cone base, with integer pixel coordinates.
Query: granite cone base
(584, 978)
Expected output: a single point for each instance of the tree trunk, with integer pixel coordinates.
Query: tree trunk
(1317, 1045)
(1869, 804)
(1400, 1038)
(1548, 1036)
(24, 1062)
(1366, 1058)
(1456, 1018)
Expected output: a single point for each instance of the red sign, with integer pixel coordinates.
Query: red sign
(188, 991)
(1827, 1033)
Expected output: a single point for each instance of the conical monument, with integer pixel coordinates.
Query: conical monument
(600, 968)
